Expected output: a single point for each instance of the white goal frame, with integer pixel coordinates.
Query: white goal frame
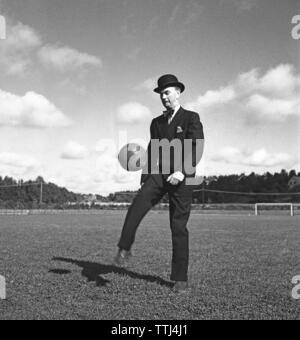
(2, 288)
(291, 205)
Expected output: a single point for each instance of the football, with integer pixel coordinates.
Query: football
(132, 157)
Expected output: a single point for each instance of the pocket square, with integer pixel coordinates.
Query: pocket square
(179, 129)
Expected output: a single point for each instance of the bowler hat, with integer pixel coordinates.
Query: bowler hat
(168, 80)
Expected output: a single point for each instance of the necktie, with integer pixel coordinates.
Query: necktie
(169, 115)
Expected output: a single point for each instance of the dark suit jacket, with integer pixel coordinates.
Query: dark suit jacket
(185, 125)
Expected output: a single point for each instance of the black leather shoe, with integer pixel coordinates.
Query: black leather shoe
(122, 258)
(181, 287)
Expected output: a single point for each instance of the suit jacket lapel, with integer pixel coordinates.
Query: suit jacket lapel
(173, 126)
(164, 126)
(169, 131)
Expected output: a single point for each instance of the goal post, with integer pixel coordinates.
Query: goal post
(290, 205)
(2, 288)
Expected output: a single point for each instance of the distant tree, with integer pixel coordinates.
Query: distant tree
(26, 194)
(292, 173)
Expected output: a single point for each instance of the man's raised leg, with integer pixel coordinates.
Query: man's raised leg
(149, 195)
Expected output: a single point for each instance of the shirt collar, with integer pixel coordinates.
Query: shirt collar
(174, 112)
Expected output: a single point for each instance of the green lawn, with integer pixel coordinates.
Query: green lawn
(59, 267)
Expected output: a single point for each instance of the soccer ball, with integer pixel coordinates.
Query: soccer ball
(132, 157)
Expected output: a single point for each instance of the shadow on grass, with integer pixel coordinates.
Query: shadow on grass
(93, 271)
(60, 271)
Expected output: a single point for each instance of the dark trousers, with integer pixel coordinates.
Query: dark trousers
(180, 199)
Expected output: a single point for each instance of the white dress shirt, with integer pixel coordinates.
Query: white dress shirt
(176, 109)
(178, 174)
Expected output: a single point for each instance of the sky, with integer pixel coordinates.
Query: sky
(77, 80)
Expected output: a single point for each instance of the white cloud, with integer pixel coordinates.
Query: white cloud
(262, 158)
(74, 150)
(279, 81)
(273, 96)
(273, 109)
(23, 47)
(21, 37)
(100, 175)
(134, 113)
(108, 170)
(213, 98)
(16, 160)
(247, 82)
(18, 166)
(16, 50)
(258, 158)
(30, 110)
(149, 84)
(66, 58)
(105, 146)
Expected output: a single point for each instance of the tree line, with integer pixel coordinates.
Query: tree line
(38, 194)
(247, 186)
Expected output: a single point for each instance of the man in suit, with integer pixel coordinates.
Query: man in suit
(168, 172)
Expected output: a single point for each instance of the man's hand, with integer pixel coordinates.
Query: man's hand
(176, 178)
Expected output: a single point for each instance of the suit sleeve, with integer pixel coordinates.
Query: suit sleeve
(195, 145)
(147, 168)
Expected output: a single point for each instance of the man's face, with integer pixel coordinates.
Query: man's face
(170, 97)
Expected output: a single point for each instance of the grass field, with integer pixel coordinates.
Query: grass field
(59, 267)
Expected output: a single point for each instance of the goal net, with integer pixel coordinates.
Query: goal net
(270, 208)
